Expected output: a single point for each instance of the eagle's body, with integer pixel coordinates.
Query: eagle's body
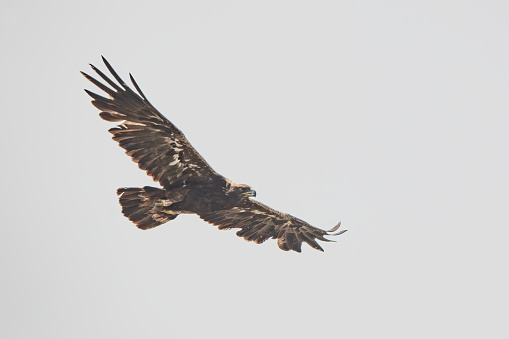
(189, 184)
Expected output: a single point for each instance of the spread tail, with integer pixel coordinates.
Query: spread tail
(145, 207)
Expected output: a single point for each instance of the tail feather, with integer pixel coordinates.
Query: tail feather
(145, 207)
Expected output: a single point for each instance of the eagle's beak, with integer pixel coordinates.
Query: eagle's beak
(251, 193)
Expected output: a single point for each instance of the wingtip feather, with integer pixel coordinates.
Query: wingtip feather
(335, 227)
(105, 61)
(92, 94)
(339, 233)
(137, 87)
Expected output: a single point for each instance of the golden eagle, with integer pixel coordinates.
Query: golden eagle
(189, 184)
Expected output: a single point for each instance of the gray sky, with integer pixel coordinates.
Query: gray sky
(391, 116)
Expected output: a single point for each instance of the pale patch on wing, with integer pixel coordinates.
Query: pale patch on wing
(176, 161)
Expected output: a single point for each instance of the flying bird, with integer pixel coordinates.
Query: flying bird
(189, 185)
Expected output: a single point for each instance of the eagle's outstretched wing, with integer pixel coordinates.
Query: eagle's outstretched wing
(153, 142)
(259, 222)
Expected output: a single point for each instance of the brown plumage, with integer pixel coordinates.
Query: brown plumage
(189, 184)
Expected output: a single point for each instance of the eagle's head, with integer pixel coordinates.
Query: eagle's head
(241, 190)
(247, 190)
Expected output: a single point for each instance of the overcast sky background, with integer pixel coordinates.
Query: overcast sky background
(391, 116)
